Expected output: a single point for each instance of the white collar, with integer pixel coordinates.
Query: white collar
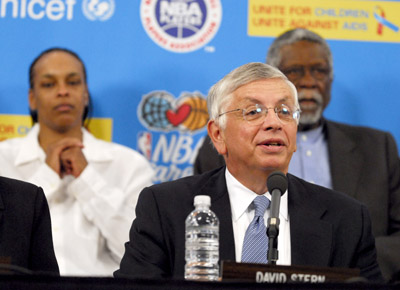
(30, 149)
(241, 197)
(95, 150)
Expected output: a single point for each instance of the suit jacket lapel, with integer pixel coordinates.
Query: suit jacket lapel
(311, 237)
(220, 205)
(345, 161)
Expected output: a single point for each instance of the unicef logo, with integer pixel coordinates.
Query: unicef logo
(98, 9)
(181, 25)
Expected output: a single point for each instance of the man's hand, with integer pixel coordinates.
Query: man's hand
(66, 157)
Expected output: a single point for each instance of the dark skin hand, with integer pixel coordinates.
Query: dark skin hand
(65, 157)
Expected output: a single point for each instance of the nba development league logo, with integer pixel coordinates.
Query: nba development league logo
(98, 9)
(171, 144)
(181, 25)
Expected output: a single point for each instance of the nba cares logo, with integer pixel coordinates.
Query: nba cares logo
(181, 25)
(160, 111)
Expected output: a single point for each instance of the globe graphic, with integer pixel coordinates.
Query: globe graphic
(154, 111)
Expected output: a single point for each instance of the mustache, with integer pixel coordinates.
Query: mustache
(310, 96)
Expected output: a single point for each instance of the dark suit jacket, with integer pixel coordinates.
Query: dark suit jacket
(364, 164)
(327, 229)
(25, 228)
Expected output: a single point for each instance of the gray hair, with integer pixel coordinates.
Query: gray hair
(274, 56)
(220, 94)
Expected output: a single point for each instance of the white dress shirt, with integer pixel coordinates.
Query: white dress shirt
(91, 215)
(241, 199)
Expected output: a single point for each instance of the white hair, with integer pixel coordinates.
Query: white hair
(220, 95)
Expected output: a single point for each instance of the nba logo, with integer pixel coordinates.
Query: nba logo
(144, 144)
(181, 25)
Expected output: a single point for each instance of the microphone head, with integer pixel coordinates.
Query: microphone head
(277, 180)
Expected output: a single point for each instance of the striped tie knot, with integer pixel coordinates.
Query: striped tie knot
(261, 204)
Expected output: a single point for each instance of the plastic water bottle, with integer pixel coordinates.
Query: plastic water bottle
(202, 242)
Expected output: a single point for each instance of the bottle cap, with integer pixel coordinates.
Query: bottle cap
(202, 199)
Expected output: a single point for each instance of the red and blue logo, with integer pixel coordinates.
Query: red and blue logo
(160, 111)
(181, 25)
(379, 15)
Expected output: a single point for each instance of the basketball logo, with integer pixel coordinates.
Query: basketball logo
(160, 111)
(181, 25)
(198, 116)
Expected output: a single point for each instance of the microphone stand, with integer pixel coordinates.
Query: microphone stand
(272, 233)
(273, 227)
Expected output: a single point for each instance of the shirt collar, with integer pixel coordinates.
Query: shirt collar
(241, 197)
(310, 136)
(94, 149)
(30, 149)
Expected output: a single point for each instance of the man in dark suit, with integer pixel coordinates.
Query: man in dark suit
(26, 244)
(361, 162)
(254, 113)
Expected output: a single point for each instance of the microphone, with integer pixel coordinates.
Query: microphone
(277, 185)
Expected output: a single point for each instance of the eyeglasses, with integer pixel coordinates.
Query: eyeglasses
(297, 72)
(256, 114)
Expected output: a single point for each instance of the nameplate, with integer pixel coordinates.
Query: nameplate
(261, 273)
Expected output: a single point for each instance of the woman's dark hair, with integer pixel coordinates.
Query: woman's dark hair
(88, 108)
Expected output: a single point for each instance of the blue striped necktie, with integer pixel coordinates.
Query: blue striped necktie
(255, 244)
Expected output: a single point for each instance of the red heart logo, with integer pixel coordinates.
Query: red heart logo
(181, 114)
